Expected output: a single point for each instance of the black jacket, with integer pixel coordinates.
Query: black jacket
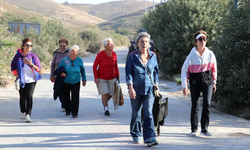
(58, 85)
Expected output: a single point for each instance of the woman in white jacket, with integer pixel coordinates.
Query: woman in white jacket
(200, 67)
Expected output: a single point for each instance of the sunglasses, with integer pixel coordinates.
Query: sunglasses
(204, 39)
(72, 64)
(28, 45)
(63, 46)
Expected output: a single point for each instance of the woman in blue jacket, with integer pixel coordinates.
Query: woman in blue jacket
(141, 89)
(75, 72)
(25, 66)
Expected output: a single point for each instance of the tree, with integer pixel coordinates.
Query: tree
(233, 57)
(173, 24)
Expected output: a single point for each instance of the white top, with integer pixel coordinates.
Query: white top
(29, 74)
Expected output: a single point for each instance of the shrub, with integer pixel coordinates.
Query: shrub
(122, 31)
(173, 24)
(233, 57)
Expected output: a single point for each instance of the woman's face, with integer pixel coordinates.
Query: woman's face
(74, 52)
(201, 41)
(143, 43)
(63, 46)
(27, 46)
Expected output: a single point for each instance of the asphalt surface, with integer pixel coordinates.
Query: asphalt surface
(52, 129)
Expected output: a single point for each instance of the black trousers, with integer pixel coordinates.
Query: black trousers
(207, 95)
(71, 105)
(26, 97)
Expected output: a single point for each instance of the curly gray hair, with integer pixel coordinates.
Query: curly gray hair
(140, 35)
(73, 47)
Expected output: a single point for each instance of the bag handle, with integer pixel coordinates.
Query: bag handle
(147, 69)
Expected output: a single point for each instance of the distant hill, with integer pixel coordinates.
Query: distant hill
(113, 9)
(130, 22)
(5, 7)
(69, 16)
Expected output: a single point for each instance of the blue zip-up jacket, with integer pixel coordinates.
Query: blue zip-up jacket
(74, 69)
(17, 66)
(137, 75)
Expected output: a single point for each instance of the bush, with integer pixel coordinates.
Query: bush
(92, 40)
(233, 57)
(122, 31)
(172, 25)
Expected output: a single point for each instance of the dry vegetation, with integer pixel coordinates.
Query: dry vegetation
(114, 9)
(69, 16)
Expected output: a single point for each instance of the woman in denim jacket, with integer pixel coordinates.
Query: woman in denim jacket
(141, 89)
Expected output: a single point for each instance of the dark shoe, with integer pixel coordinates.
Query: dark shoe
(74, 116)
(107, 113)
(67, 113)
(152, 142)
(205, 132)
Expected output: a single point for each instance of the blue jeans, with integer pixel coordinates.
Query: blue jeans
(148, 122)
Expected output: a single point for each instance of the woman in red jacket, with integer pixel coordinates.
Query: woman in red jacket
(106, 72)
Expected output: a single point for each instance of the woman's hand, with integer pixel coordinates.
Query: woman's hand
(96, 81)
(17, 76)
(83, 83)
(63, 74)
(214, 88)
(52, 79)
(185, 91)
(132, 93)
(26, 61)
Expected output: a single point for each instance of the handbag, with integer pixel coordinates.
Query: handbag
(156, 90)
(121, 100)
(118, 96)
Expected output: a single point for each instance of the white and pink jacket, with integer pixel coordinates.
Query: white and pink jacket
(200, 70)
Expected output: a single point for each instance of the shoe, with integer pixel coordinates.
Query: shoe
(107, 113)
(152, 142)
(193, 133)
(136, 140)
(74, 116)
(63, 110)
(23, 115)
(205, 133)
(28, 118)
(67, 113)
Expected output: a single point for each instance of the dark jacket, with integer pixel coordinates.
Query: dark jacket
(58, 85)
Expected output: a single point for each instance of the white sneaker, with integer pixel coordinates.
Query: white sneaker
(22, 115)
(28, 118)
(193, 133)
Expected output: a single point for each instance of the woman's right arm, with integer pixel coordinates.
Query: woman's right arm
(96, 63)
(184, 72)
(129, 77)
(52, 67)
(14, 66)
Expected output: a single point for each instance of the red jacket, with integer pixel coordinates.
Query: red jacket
(107, 66)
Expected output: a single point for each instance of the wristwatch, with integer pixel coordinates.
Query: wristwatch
(32, 65)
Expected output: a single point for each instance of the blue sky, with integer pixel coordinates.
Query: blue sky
(91, 1)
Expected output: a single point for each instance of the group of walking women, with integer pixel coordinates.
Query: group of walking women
(141, 64)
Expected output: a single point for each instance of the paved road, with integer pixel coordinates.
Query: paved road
(51, 129)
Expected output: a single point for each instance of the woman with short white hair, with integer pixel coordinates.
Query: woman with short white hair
(106, 72)
(74, 72)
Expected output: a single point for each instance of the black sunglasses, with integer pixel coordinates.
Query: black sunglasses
(63, 46)
(72, 64)
(200, 39)
(28, 45)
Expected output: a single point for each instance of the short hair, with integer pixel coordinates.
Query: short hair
(73, 47)
(63, 40)
(105, 41)
(25, 41)
(140, 35)
(197, 33)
